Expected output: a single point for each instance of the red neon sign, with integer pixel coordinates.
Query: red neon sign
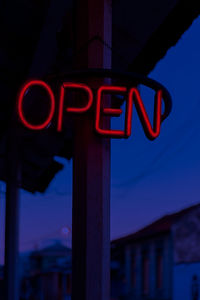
(108, 111)
(20, 105)
(133, 98)
(73, 109)
(154, 132)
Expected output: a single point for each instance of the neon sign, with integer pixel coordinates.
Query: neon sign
(131, 95)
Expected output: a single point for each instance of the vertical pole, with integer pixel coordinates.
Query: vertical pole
(12, 219)
(91, 165)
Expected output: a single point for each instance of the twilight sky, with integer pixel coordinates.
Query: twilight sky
(149, 179)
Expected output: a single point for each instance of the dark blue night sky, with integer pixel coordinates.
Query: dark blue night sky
(149, 179)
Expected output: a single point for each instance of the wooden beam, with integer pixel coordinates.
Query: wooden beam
(91, 166)
(12, 217)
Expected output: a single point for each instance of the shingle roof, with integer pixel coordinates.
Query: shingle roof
(160, 226)
(57, 249)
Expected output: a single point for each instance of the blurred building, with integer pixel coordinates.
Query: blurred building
(46, 274)
(160, 261)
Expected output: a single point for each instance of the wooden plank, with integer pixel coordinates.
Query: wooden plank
(91, 166)
(12, 217)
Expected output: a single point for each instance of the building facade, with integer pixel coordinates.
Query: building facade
(159, 262)
(47, 274)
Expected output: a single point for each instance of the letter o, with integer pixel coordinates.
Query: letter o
(20, 104)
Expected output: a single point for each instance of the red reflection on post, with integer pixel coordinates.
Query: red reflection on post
(73, 109)
(20, 104)
(110, 111)
(150, 132)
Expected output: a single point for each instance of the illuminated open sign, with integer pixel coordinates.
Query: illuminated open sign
(132, 98)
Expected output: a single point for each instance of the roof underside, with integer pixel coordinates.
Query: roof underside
(36, 40)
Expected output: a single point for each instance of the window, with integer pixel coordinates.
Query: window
(145, 273)
(133, 270)
(69, 284)
(159, 269)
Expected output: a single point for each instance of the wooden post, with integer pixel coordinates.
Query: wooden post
(91, 166)
(12, 218)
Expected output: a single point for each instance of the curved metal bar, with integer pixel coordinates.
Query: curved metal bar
(130, 76)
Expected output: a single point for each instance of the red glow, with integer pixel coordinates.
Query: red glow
(110, 111)
(20, 104)
(128, 120)
(154, 132)
(73, 109)
(133, 97)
